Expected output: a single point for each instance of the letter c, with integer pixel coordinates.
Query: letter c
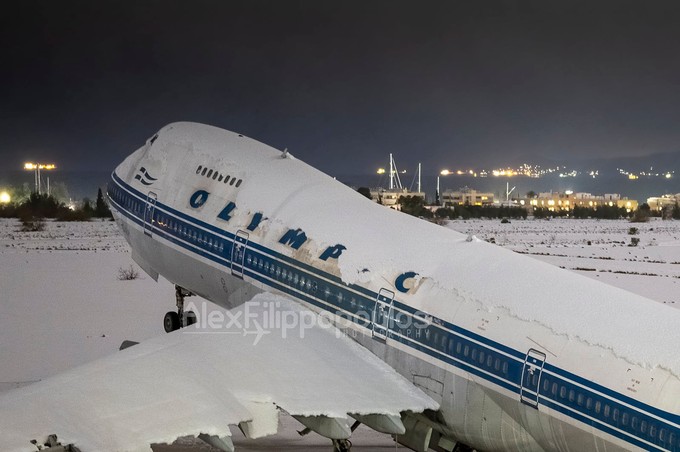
(401, 279)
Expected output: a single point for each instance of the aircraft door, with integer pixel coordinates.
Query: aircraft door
(531, 377)
(382, 313)
(238, 253)
(149, 210)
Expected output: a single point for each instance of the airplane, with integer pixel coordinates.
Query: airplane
(440, 339)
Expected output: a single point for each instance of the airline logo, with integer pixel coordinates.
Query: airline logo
(144, 177)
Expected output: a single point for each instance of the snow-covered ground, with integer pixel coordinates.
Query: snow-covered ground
(63, 303)
(599, 249)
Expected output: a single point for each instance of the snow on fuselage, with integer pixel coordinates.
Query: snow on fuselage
(499, 339)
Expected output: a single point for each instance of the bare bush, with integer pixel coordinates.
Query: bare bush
(32, 224)
(127, 274)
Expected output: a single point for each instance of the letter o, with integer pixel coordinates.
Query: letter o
(198, 198)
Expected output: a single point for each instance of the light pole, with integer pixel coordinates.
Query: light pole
(438, 196)
(37, 167)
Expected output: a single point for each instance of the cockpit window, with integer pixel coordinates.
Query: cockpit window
(153, 138)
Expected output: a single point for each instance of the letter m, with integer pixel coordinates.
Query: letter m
(294, 237)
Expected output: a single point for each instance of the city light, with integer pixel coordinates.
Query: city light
(445, 172)
(41, 166)
(381, 171)
(37, 167)
(5, 198)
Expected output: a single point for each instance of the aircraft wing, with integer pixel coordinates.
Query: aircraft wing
(201, 379)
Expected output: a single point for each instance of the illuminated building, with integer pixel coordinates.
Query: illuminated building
(466, 196)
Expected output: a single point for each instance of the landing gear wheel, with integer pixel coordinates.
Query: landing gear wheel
(342, 445)
(189, 318)
(171, 322)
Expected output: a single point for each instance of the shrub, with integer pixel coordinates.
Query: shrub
(66, 214)
(634, 241)
(127, 274)
(32, 224)
(640, 216)
(632, 231)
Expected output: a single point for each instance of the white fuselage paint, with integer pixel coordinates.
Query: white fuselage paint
(469, 361)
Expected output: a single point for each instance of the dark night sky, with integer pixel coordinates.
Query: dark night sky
(342, 83)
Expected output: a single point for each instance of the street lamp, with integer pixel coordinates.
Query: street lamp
(37, 167)
(5, 198)
(438, 199)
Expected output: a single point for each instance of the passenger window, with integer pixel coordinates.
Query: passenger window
(505, 368)
(210, 173)
(554, 389)
(563, 392)
(226, 179)
(643, 427)
(459, 346)
(481, 357)
(615, 415)
(198, 170)
(474, 354)
(606, 412)
(598, 407)
(466, 351)
(572, 395)
(625, 417)
(634, 423)
(215, 175)
(589, 403)
(652, 431)
(497, 365)
(204, 171)
(238, 184)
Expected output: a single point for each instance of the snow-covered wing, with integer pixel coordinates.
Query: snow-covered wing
(237, 368)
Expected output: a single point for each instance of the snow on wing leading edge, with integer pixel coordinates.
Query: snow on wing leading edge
(201, 380)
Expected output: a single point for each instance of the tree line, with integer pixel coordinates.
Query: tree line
(39, 206)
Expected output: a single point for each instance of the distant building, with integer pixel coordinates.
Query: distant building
(567, 201)
(466, 196)
(661, 202)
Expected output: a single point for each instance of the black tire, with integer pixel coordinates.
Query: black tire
(189, 318)
(171, 322)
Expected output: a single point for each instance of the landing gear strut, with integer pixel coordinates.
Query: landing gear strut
(342, 445)
(176, 320)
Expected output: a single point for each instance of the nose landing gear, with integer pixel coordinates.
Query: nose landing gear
(176, 320)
